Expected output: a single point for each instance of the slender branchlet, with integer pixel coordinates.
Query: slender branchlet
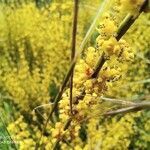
(73, 50)
(131, 108)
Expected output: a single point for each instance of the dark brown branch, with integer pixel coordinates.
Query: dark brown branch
(74, 33)
(130, 19)
(123, 28)
(99, 66)
(69, 73)
(67, 124)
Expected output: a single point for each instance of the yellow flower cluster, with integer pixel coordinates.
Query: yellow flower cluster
(112, 134)
(131, 86)
(35, 50)
(87, 90)
(21, 134)
(131, 83)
